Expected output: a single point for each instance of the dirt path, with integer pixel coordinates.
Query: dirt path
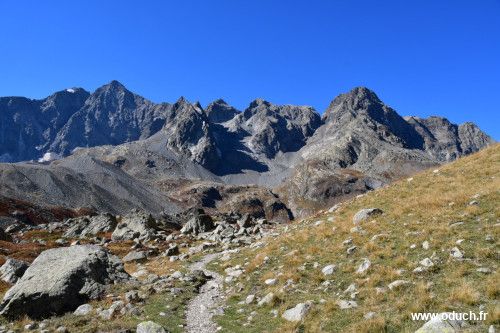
(201, 309)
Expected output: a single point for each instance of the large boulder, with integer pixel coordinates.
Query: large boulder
(199, 222)
(12, 270)
(90, 225)
(135, 225)
(61, 279)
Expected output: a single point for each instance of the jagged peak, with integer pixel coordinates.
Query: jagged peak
(258, 102)
(219, 101)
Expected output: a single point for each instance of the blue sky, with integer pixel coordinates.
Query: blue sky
(422, 57)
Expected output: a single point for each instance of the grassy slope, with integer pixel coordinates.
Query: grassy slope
(417, 210)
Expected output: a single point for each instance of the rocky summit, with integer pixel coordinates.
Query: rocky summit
(118, 214)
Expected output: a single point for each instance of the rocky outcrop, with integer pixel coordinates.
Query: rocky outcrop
(138, 225)
(88, 226)
(198, 223)
(59, 280)
(190, 134)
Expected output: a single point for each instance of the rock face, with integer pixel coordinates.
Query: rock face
(59, 280)
(12, 270)
(111, 115)
(29, 126)
(276, 128)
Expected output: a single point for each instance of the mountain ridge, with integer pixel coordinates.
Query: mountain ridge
(306, 159)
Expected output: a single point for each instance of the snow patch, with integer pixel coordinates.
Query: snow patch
(49, 157)
(71, 90)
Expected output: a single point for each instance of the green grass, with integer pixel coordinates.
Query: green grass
(414, 211)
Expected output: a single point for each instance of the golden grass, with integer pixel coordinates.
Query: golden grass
(423, 209)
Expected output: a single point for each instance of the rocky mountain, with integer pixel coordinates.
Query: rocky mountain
(27, 127)
(145, 152)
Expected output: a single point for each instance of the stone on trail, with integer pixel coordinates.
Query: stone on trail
(61, 279)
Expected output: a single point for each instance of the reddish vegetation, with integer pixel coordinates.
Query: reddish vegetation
(38, 215)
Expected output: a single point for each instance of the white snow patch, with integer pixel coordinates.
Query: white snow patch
(71, 90)
(48, 157)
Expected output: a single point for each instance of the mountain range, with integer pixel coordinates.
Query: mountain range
(113, 150)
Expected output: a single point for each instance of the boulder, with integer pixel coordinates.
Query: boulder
(135, 256)
(364, 266)
(149, 327)
(364, 214)
(329, 269)
(135, 225)
(12, 270)
(298, 312)
(245, 221)
(198, 223)
(442, 323)
(83, 310)
(5, 236)
(100, 224)
(61, 279)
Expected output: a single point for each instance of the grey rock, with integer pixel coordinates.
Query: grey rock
(83, 310)
(298, 312)
(199, 223)
(364, 214)
(61, 279)
(329, 269)
(88, 226)
(135, 256)
(13, 270)
(444, 323)
(343, 304)
(364, 266)
(269, 298)
(149, 327)
(135, 225)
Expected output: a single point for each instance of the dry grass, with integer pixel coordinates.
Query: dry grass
(423, 209)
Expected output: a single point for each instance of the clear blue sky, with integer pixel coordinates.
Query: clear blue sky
(422, 57)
